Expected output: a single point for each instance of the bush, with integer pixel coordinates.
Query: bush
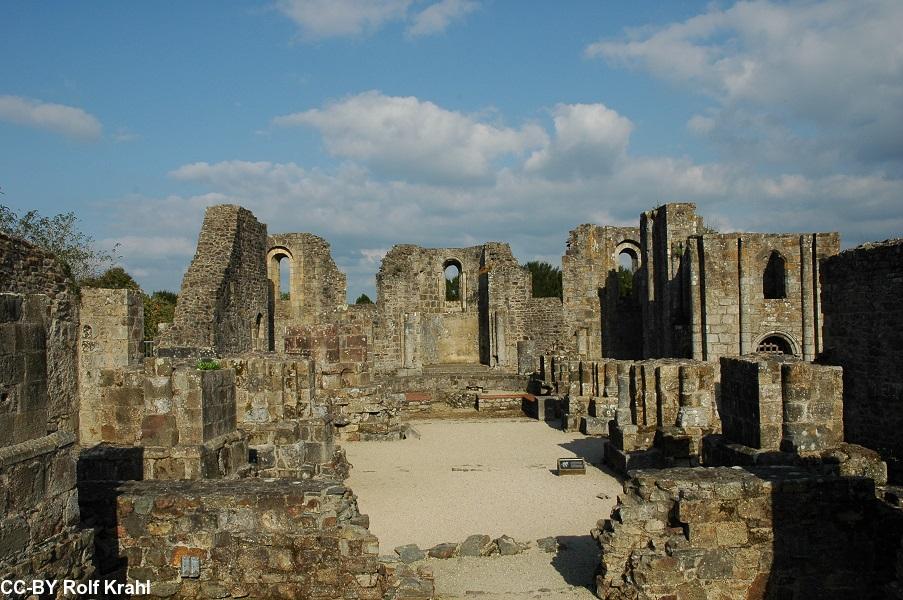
(207, 364)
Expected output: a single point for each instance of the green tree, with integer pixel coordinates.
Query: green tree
(159, 307)
(453, 288)
(546, 279)
(363, 299)
(76, 250)
(113, 278)
(625, 282)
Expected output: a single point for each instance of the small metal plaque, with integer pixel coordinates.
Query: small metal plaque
(571, 466)
(191, 567)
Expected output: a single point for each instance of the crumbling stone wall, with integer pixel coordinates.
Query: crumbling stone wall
(765, 532)
(598, 319)
(704, 294)
(779, 403)
(316, 287)
(417, 326)
(665, 407)
(39, 534)
(273, 539)
(545, 330)
(189, 427)
(730, 313)
(861, 292)
(343, 384)
(663, 278)
(291, 435)
(223, 305)
(27, 269)
(111, 337)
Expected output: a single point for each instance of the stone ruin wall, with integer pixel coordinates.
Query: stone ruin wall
(599, 323)
(863, 332)
(317, 289)
(702, 293)
(781, 404)
(26, 269)
(223, 305)
(39, 515)
(729, 314)
(759, 532)
(110, 338)
(274, 539)
(660, 282)
(507, 290)
(412, 309)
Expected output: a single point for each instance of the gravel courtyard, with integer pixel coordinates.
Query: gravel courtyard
(489, 477)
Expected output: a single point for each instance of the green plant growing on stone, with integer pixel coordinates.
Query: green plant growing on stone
(207, 364)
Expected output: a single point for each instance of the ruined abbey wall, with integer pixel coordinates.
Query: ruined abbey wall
(316, 288)
(764, 532)
(417, 326)
(274, 539)
(39, 516)
(861, 299)
(706, 295)
(600, 321)
(223, 305)
(111, 337)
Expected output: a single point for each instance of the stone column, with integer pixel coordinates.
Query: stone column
(807, 340)
(500, 351)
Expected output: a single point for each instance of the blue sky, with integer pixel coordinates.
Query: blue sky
(449, 122)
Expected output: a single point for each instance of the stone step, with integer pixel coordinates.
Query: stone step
(455, 368)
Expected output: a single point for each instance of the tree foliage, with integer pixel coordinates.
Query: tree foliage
(76, 250)
(453, 288)
(159, 307)
(363, 299)
(625, 282)
(113, 278)
(546, 279)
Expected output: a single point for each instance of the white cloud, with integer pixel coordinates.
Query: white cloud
(437, 17)
(583, 172)
(834, 65)
(589, 139)
(58, 118)
(154, 246)
(335, 18)
(408, 137)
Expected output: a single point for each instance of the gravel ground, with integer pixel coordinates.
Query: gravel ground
(489, 477)
(567, 575)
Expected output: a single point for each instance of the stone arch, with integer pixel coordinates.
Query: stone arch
(777, 342)
(279, 258)
(631, 250)
(454, 290)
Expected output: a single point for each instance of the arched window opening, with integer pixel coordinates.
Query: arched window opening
(283, 279)
(628, 263)
(452, 270)
(628, 260)
(774, 280)
(774, 344)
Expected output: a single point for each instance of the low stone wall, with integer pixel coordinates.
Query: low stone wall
(40, 536)
(781, 403)
(768, 532)
(248, 539)
(421, 391)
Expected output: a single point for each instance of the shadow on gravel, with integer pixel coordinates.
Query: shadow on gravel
(577, 560)
(591, 450)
